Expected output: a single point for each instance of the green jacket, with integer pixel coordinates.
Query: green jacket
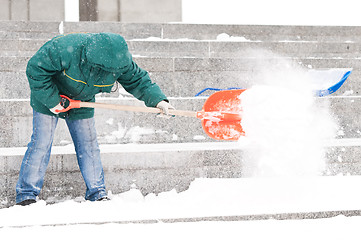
(80, 65)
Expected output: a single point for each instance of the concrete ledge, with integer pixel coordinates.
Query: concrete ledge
(235, 49)
(6, 35)
(172, 74)
(193, 64)
(29, 26)
(217, 49)
(262, 33)
(194, 31)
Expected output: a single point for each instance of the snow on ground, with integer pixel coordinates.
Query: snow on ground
(329, 229)
(205, 198)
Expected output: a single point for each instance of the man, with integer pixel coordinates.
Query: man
(79, 66)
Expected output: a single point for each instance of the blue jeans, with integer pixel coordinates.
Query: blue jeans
(36, 159)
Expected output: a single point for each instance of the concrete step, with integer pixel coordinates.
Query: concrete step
(19, 45)
(152, 168)
(192, 31)
(115, 127)
(184, 77)
(29, 27)
(213, 49)
(192, 64)
(235, 49)
(6, 35)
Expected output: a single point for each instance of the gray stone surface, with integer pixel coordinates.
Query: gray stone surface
(263, 33)
(27, 26)
(108, 10)
(150, 11)
(206, 49)
(172, 74)
(5, 10)
(342, 34)
(129, 31)
(19, 10)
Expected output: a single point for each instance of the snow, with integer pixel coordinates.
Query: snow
(71, 10)
(226, 37)
(324, 78)
(220, 37)
(272, 229)
(131, 215)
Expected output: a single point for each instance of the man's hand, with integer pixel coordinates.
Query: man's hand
(57, 107)
(165, 107)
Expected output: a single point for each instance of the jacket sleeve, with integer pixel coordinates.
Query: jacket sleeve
(137, 82)
(40, 70)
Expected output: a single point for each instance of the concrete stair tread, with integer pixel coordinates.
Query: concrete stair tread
(191, 31)
(135, 148)
(206, 48)
(168, 147)
(170, 64)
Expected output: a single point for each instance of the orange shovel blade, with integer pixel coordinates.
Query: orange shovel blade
(221, 115)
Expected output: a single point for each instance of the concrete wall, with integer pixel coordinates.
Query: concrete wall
(4, 10)
(109, 10)
(19, 10)
(32, 10)
(151, 11)
(140, 10)
(94, 10)
(88, 10)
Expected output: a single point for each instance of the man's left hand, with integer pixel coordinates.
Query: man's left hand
(165, 107)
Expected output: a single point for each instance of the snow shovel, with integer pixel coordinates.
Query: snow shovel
(221, 114)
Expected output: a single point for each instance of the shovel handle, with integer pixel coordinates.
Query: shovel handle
(79, 104)
(136, 109)
(212, 116)
(72, 103)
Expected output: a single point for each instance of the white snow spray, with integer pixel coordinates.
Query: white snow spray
(285, 128)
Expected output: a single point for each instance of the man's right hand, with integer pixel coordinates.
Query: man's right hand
(57, 107)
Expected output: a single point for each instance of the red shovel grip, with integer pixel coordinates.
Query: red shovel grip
(72, 103)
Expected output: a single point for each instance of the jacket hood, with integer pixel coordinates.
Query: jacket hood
(108, 51)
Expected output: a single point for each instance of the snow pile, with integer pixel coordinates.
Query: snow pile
(285, 126)
(205, 198)
(226, 37)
